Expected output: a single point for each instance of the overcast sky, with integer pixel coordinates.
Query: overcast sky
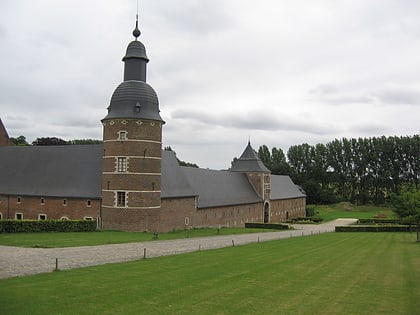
(278, 72)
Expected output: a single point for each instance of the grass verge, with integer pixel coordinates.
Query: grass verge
(348, 210)
(333, 273)
(64, 239)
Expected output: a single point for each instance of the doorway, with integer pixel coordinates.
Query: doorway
(266, 212)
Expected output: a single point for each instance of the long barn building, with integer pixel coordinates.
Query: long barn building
(129, 182)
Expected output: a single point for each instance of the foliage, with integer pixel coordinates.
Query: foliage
(274, 161)
(49, 141)
(361, 171)
(180, 162)
(332, 273)
(31, 226)
(374, 228)
(19, 141)
(407, 206)
(84, 141)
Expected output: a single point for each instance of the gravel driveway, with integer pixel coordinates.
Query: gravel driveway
(18, 261)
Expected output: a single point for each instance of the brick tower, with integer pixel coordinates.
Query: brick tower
(132, 135)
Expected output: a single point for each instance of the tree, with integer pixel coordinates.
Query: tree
(407, 206)
(49, 141)
(20, 141)
(85, 141)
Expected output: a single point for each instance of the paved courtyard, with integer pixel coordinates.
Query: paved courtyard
(17, 261)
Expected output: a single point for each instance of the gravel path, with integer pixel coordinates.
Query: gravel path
(18, 261)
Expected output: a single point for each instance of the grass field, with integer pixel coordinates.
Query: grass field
(62, 239)
(347, 210)
(333, 273)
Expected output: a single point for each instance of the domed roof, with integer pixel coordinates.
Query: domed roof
(134, 99)
(136, 49)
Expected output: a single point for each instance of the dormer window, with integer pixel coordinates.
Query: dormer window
(122, 135)
(137, 107)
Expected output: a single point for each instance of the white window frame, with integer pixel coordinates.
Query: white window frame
(89, 203)
(88, 218)
(42, 201)
(42, 215)
(122, 164)
(18, 214)
(65, 202)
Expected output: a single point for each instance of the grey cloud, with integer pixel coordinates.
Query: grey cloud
(254, 120)
(399, 96)
(331, 94)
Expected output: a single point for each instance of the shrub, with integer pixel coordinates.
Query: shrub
(374, 228)
(31, 226)
(274, 226)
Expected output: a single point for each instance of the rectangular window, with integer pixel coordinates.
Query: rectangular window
(121, 198)
(19, 199)
(42, 201)
(89, 203)
(122, 135)
(42, 217)
(88, 218)
(64, 202)
(19, 216)
(122, 164)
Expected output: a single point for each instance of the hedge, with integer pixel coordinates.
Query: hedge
(274, 226)
(380, 221)
(375, 228)
(31, 226)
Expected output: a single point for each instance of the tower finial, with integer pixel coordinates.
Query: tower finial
(136, 32)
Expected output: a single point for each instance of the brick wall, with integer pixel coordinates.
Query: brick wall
(281, 210)
(4, 137)
(54, 208)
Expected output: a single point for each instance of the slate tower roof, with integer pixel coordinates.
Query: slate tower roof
(249, 162)
(134, 98)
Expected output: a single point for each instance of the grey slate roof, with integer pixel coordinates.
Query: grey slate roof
(282, 187)
(135, 49)
(248, 162)
(55, 171)
(134, 99)
(174, 183)
(219, 188)
(76, 170)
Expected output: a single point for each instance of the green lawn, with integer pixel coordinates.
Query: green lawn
(347, 210)
(63, 239)
(333, 273)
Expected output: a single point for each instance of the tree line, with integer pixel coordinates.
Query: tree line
(46, 141)
(363, 170)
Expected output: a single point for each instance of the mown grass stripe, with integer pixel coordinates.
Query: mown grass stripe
(333, 273)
